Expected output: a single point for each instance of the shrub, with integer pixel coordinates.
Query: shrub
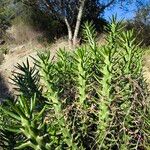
(142, 32)
(3, 50)
(20, 33)
(1, 58)
(92, 98)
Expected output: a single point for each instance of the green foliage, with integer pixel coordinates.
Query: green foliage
(7, 138)
(27, 77)
(92, 98)
(3, 50)
(28, 122)
(141, 24)
(6, 14)
(34, 18)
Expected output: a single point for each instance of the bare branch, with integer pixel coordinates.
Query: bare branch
(107, 5)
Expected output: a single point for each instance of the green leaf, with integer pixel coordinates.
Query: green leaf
(13, 129)
(10, 113)
(25, 145)
(40, 113)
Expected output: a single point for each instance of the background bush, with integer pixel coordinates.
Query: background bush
(142, 32)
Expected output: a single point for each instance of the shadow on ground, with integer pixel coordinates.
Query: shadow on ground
(4, 89)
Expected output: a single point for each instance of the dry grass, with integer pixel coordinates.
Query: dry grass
(21, 33)
(101, 39)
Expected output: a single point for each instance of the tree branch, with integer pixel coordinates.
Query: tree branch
(109, 3)
(103, 7)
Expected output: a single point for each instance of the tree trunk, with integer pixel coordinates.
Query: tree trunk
(70, 36)
(78, 22)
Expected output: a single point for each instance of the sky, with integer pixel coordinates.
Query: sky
(127, 12)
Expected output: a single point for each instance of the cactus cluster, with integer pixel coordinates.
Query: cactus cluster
(92, 98)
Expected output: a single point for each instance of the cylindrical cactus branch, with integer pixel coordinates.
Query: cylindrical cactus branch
(48, 77)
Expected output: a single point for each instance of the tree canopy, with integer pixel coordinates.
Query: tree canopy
(6, 14)
(59, 17)
(71, 13)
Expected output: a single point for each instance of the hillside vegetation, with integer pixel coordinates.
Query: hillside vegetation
(92, 98)
(72, 80)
